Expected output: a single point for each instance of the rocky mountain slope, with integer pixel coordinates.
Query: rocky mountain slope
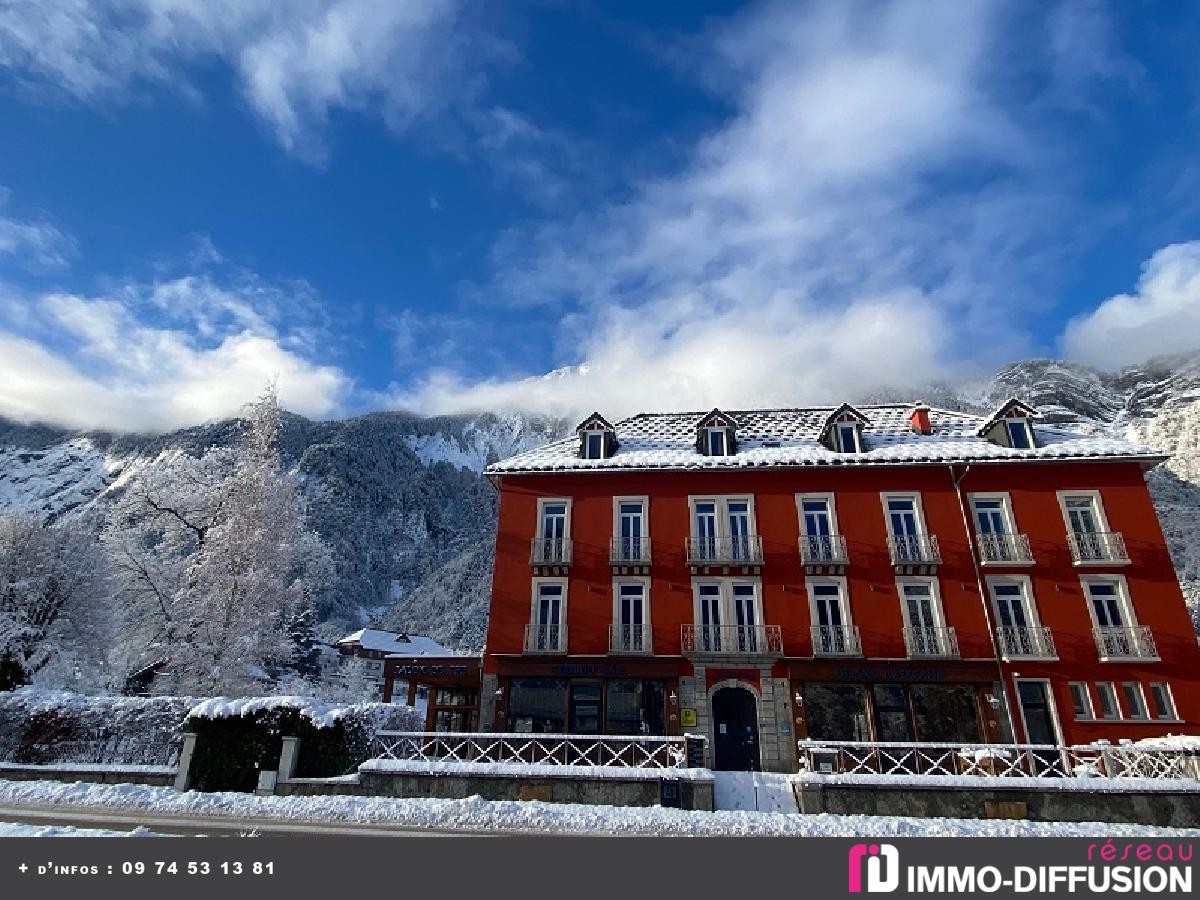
(403, 504)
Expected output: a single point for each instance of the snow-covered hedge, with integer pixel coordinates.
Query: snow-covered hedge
(39, 727)
(238, 737)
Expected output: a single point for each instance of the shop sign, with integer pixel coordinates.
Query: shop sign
(890, 674)
(430, 670)
(687, 717)
(587, 670)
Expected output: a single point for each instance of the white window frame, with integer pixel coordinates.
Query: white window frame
(724, 432)
(1097, 507)
(830, 499)
(644, 581)
(918, 510)
(600, 433)
(542, 503)
(935, 596)
(1024, 422)
(1089, 708)
(856, 428)
(722, 502)
(1140, 694)
(1170, 699)
(1006, 510)
(1124, 600)
(843, 586)
(725, 587)
(1116, 701)
(616, 519)
(1028, 600)
(534, 595)
(1055, 718)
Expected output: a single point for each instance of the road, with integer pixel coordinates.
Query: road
(214, 826)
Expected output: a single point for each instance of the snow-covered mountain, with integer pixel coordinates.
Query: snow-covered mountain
(403, 504)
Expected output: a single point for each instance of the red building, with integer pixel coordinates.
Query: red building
(889, 573)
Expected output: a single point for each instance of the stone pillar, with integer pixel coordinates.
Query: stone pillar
(288, 756)
(487, 703)
(183, 773)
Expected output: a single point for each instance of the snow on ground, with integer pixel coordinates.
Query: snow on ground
(14, 829)
(761, 791)
(476, 814)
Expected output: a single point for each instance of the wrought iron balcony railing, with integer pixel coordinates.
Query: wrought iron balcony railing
(1098, 547)
(629, 639)
(1031, 643)
(828, 640)
(1131, 643)
(727, 639)
(630, 551)
(746, 550)
(823, 550)
(1004, 548)
(545, 638)
(914, 550)
(931, 642)
(550, 552)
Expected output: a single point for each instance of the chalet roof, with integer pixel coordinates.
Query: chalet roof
(594, 417)
(844, 410)
(1003, 411)
(772, 438)
(714, 413)
(391, 642)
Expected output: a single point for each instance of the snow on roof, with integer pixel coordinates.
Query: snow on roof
(391, 642)
(770, 438)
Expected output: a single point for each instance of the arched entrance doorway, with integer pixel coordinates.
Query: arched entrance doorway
(735, 730)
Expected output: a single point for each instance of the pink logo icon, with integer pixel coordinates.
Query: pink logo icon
(883, 868)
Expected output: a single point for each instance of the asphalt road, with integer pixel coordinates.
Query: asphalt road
(212, 826)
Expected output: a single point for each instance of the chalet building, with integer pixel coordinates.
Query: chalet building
(890, 573)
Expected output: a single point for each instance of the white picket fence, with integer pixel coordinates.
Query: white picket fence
(632, 752)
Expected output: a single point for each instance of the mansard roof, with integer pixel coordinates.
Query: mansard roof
(779, 438)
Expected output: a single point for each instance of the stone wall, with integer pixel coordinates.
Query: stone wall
(91, 775)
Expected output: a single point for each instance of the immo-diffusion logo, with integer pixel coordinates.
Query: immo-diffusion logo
(882, 866)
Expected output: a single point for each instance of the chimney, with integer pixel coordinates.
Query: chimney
(919, 418)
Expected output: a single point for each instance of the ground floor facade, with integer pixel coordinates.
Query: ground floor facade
(753, 709)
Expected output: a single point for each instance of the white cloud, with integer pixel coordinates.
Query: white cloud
(155, 357)
(865, 217)
(295, 62)
(1161, 316)
(34, 244)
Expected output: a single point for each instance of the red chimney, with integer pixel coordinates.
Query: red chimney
(919, 418)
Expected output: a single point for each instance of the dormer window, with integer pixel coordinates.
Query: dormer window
(842, 432)
(597, 438)
(716, 435)
(1011, 426)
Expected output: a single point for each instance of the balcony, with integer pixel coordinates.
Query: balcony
(914, 551)
(1126, 643)
(726, 551)
(1026, 643)
(724, 640)
(829, 640)
(549, 553)
(629, 639)
(931, 643)
(627, 551)
(1004, 549)
(823, 550)
(545, 638)
(1089, 548)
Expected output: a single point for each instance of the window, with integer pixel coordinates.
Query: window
(847, 437)
(538, 705)
(1019, 434)
(723, 529)
(924, 628)
(904, 515)
(833, 633)
(991, 515)
(718, 442)
(1135, 700)
(1018, 627)
(836, 712)
(944, 712)
(547, 630)
(630, 529)
(820, 542)
(1107, 602)
(553, 542)
(631, 616)
(634, 707)
(593, 445)
(1081, 700)
(729, 615)
(893, 721)
(1106, 692)
(1164, 703)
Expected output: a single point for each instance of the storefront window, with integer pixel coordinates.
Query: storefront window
(892, 721)
(455, 697)
(635, 707)
(452, 720)
(946, 712)
(585, 707)
(538, 705)
(836, 712)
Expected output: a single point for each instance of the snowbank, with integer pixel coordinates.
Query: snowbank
(1190, 742)
(320, 713)
(477, 815)
(15, 829)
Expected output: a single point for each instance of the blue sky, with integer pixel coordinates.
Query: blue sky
(563, 206)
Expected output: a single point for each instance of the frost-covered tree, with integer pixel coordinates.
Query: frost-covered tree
(219, 562)
(56, 590)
